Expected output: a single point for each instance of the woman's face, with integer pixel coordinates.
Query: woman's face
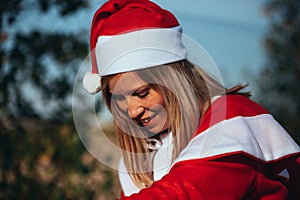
(142, 103)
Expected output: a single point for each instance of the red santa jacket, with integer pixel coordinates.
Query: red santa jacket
(238, 152)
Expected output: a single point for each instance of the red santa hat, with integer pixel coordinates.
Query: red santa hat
(129, 35)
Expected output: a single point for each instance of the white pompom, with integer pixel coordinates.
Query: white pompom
(92, 82)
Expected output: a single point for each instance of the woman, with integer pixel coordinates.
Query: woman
(183, 135)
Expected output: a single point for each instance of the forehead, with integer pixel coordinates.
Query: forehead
(125, 83)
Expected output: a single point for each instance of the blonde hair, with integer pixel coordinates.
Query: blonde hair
(187, 91)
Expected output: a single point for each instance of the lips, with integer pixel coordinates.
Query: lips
(146, 121)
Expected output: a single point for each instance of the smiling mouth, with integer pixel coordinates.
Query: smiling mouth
(145, 120)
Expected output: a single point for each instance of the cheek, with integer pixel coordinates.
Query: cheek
(157, 104)
(122, 105)
(159, 100)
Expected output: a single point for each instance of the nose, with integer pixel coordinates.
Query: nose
(135, 107)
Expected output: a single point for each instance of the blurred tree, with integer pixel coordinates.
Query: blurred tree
(280, 79)
(41, 155)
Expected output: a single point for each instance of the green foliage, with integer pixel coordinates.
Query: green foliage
(280, 79)
(41, 155)
(24, 61)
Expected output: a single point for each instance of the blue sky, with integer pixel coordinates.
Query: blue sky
(231, 31)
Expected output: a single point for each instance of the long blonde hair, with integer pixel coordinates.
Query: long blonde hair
(187, 91)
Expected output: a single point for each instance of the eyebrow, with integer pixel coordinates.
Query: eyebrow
(134, 91)
(141, 89)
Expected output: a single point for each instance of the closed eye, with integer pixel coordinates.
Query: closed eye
(142, 93)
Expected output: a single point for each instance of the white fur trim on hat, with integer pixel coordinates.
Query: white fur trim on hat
(139, 49)
(92, 82)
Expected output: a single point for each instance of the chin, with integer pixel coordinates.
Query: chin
(156, 130)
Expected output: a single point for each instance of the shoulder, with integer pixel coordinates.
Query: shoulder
(227, 107)
(237, 105)
(234, 124)
(241, 105)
